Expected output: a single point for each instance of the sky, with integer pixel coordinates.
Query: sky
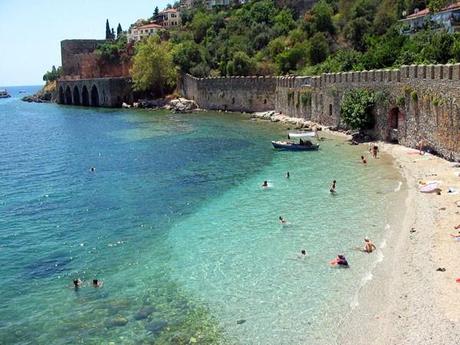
(31, 31)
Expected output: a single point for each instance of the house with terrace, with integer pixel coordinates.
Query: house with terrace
(448, 18)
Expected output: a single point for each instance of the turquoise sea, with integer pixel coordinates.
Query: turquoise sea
(175, 223)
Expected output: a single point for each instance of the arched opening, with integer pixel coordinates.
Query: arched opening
(330, 109)
(393, 124)
(61, 95)
(94, 96)
(68, 95)
(76, 95)
(84, 96)
(394, 118)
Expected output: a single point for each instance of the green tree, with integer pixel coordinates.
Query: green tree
(291, 59)
(437, 5)
(108, 33)
(153, 69)
(119, 31)
(318, 49)
(322, 17)
(241, 64)
(201, 22)
(52, 75)
(357, 109)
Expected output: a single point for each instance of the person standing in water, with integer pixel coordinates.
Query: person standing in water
(332, 190)
(282, 220)
(369, 247)
(265, 184)
(363, 160)
(288, 175)
(375, 150)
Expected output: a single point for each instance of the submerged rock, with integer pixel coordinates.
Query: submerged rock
(240, 322)
(155, 327)
(117, 321)
(144, 313)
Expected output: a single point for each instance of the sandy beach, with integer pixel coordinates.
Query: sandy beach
(413, 296)
(410, 301)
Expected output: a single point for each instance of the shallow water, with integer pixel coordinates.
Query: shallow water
(174, 221)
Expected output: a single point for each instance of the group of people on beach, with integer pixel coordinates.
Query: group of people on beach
(340, 260)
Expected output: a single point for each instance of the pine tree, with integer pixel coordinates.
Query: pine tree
(108, 33)
(156, 12)
(112, 34)
(119, 31)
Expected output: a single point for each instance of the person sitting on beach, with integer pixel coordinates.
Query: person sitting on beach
(282, 220)
(77, 283)
(97, 283)
(341, 261)
(369, 247)
(363, 160)
(421, 146)
(332, 190)
(265, 184)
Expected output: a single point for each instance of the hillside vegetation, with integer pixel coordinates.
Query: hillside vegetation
(267, 37)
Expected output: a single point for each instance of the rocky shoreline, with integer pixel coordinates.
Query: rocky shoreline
(177, 105)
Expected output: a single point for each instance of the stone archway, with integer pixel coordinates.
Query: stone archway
(94, 96)
(76, 95)
(68, 96)
(393, 118)
(61, 95)
(84, 96)
(393, 124)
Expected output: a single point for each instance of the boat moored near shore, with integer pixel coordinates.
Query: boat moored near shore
(4, 93)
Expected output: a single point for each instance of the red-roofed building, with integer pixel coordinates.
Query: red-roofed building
(448, 18)
(139, 32)
(169, 18)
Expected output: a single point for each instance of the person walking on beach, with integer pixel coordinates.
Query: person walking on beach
(369, 247)
(332, 190)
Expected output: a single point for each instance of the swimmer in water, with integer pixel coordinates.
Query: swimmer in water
(287, 175)
(92, 169)
(265, 184)
(369, 247)
(341, 261)
(332, 190)
(97, 283)
(77, 283)
(363, 160)
(282, 220)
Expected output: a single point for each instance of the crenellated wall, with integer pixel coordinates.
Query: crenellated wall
(413, 102)
(245, 94)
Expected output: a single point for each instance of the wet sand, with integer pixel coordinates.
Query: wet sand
(408, 301)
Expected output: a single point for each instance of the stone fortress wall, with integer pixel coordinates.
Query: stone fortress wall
(88, 82)
(413, 102)
(245, 94)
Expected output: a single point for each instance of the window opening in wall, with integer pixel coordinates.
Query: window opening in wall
(330, 109)
(394, 118)
(233, 100)
(265, 101)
